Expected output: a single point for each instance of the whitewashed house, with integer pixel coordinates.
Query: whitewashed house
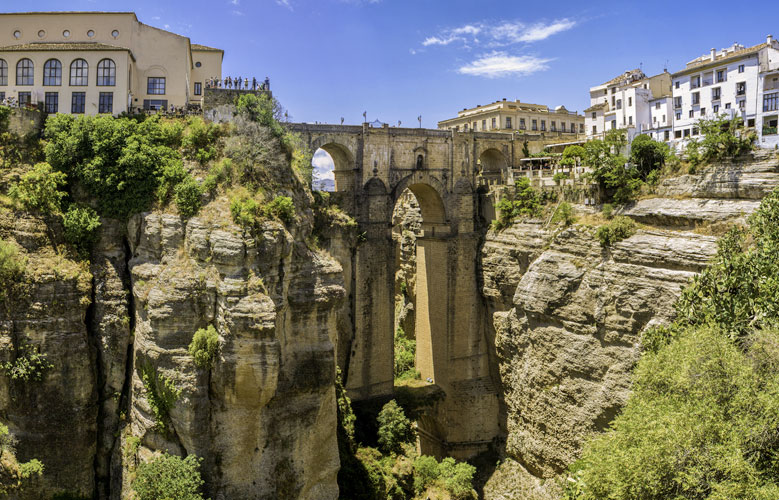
(727, 82)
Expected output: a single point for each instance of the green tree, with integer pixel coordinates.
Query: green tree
(282, 208)
(39, 189)
(187, 195)
(620, 228)
(81, 224)
(394, 428)
(700, 424)
(647, 155)
(722, 138)
(204, 347)
(572, 154)
(405, 353)
(169, 477)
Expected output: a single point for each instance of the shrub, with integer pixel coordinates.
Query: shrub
(12, 265)
(169, 477)
(607, 210)
(722, 138)
(281, 208)
(425, 472)
(572, 154)
(161, 394)
(170, 175)
(30, 469)
(29, 364)
(187, 195)
(81, 224)
(204, 347)
(618, 229)
(244, 211)
(560, 176)
(201, 140)
(648, 155)
(405, 352)
(701, 423)
(5, 115)
(263, 109)
(118, 161)
(564, 213)
(38, 189)
(394, 428)
(457, 478)
(526, 203)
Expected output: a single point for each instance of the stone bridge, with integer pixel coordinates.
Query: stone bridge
(443, 169)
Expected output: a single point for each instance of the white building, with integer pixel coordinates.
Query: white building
(735, 81)
(625, 102)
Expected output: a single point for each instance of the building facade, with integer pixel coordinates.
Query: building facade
(627, 102)
(735, 81)
(516, 116)
(100, 62)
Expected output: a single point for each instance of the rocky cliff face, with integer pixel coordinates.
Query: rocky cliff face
(568, 315)
(116, 335)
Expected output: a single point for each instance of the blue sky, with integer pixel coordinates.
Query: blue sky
(398, 59)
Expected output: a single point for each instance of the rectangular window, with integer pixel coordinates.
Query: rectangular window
(657, 105)
(667, 135)
(465, 127)
(727, 105)
(703, 111)
(573, 128)
(155, 86)
(474, 127)
(654, 119)
(3, 73)
(581, 128)
(553, 126)
(25, 98)
(51, 102)
(535, 124)
(484, 124)
(157, 104)
(663, 118)
(695, 82)
(2, 96)
(687, 132)
(543, 125)
(198, 88)
(722, 75)
(562, 126)
(676, 84)
(106, 104)
(692, 113)
(493, 123)
(613, 101)
(619, 103)
(594, 129)
(770, 102)
(679, 115)
(677, 134)
(741, 68)
(678, 102)
(696, 98)
(508, 122)
(694, 131)
(521, 124)
(630, 120)
(742, 104)
(741, 88)
(630, 101)
(78, 102)
(594, 114)
(716, 108)
(716, 94)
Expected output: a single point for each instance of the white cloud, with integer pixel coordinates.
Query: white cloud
(501, 64)
(541, 31)
(323, 165)
(500, 35)
(285, 3)
(237, 12)
(235, 2)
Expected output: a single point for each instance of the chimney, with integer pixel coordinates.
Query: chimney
(504, 99)
(713, 54)
(769, 39)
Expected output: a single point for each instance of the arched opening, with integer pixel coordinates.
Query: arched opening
(421, 245)
(333, 168)
(492, 164)
(323, 178)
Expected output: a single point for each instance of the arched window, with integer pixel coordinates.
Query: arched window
(24, 72)
(420, 161)
(106, 73)
(79, 73)
(3, 72)
(52, 72)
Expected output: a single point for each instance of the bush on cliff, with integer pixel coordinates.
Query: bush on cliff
(15, 476)
(405, 354)
(722, 138)
(526, 202)
(116, 160)
(456, 478)
(169, 477)
(187, 195)
(204, 347)
(39, 189)
(12, 265)
(618, 229)
(81, 224)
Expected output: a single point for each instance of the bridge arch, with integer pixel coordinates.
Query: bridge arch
(343, 162)
(493, 163)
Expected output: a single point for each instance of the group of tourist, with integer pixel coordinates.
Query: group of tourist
(238, 83)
